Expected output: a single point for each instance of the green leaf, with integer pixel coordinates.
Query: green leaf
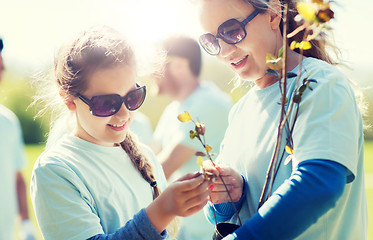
(273, 62)
(307, 11)
(288, 149)
(297, 98)
(272, 72)
(184, 117)
(208, 148)
(280, 52)
(305, 45)
(291, 75)
(192, 134)
(200, 154)
(200, 161)
(302, 88)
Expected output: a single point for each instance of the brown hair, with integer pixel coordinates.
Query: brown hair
(129, 145)
(185, 47)
(97, 48)
(319, 45)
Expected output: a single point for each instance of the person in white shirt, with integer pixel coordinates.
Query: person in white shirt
(12, 160)
(181, 81)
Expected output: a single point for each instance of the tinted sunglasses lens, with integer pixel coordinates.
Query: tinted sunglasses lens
(135, 98)
(210, 43)
(106, 105)
(232, 31)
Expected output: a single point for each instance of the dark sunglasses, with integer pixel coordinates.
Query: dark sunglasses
(231, 31)
(1, 44)
(108, 105)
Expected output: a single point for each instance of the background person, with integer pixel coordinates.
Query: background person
(12, 160)
(99, 183)
(181, 81)
(321, 193)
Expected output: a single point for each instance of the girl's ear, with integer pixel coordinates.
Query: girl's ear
(68, 100)
(275, 12)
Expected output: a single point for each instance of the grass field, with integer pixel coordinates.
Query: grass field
(33, 151)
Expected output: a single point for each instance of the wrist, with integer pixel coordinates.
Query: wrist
(158, 214)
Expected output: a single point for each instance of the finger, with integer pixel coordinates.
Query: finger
(222, 196)
(209, 166)
(198, 199)
(202, 190)
(219, 197)
(222, 188)
(227, 180)
(189, 184)
(226, 171)
(196, 208)
(189, 176)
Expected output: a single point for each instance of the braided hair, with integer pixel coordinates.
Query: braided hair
(140, 162)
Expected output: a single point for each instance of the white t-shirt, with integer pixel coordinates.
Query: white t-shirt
(12, 159)
(80, 189)
(206, 104)
(329, 126)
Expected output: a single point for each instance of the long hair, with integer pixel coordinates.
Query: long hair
(98, 48)
(320, 46)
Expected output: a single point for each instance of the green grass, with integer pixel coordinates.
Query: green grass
(33, 151)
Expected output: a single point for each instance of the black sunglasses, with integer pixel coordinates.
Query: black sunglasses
(231, 31)
(108, 105)
(1, 44)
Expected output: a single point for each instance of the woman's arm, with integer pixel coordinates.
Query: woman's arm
(224, 211)
(313, 189)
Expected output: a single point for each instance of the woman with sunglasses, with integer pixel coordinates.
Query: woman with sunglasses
(321, 193)
(98, 182)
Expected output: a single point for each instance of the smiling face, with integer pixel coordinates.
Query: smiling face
(247, 58)
(105, 131)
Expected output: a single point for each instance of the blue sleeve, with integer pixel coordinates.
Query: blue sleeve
(139, 228)
(224, 211)
(313, 189)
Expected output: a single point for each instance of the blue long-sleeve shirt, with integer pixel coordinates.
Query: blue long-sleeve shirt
(313, 189)
(138, 228)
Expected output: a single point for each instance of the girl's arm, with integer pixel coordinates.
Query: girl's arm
(138, 228)
(312, 190)
(184, 197)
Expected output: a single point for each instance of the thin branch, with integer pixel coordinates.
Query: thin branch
(270, 172)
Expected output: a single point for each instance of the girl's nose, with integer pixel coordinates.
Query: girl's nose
(123, 112)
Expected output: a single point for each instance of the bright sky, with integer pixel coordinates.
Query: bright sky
(34, 29)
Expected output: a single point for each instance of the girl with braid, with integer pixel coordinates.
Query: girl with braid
(98, 182)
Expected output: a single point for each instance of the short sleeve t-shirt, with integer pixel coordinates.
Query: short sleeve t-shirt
(12, 159)
(207, 104)
(328, 126)
(80, 189)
